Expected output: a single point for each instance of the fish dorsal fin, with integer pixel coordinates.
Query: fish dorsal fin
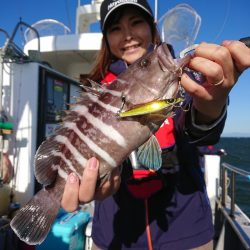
(94, 88)
(149, 154)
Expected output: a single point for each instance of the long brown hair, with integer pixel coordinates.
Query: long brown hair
(104, 57)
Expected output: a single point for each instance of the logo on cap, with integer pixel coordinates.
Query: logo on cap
(112, 5)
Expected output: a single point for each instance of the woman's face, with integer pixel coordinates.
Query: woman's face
(130, 37)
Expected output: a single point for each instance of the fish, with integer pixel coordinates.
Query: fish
(93, 128)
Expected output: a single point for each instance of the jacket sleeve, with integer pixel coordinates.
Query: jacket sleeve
(199, 134)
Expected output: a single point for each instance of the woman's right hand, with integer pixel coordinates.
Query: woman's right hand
(221, 65)
(80, 192)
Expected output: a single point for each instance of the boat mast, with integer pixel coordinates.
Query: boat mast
(87, 14)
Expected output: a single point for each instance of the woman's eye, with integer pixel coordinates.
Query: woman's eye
(145, 63)
(113, 29)
(138, 21)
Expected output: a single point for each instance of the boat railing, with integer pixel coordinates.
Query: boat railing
(232, 225)
(11, 52)
(225, 184)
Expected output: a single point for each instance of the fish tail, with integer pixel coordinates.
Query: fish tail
(32, 222)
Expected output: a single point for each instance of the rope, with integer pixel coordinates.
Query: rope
(150, 245)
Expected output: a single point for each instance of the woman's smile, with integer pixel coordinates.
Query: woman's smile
(131, 47)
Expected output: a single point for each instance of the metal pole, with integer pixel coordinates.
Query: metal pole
(224, 186)
(1, 118)
(232, 194)
(156, 10)
(134, 161)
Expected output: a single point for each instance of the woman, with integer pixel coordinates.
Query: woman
(177, 215)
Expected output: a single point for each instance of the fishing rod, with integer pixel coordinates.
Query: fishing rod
(246, 41)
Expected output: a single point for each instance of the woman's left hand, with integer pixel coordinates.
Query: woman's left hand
(83, 191)
(221, 66)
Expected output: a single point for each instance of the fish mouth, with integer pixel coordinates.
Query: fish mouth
(165, 58)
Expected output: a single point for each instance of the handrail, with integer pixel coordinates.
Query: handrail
(11, 50)
(225, 168)
(29, 26)
(236, 170)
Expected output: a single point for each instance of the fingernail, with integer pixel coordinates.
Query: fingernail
(92, 163)
(72, 178)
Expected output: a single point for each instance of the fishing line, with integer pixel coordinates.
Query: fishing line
(228, 7)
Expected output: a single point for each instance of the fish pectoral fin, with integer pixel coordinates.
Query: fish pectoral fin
(33, 221)
(149, 154)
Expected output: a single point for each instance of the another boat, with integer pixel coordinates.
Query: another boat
(38, 82)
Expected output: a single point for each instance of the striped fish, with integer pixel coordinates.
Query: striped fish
(93, 127)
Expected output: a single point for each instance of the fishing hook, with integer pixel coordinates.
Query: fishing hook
(123, 99)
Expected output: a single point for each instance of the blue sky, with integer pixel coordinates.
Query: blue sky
(221, 20)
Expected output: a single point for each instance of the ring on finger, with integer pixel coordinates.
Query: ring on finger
(219, 82)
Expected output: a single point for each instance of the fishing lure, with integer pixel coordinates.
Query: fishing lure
(150, 107)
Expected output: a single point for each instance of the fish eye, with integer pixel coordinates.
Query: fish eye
(145, 63)
(171, 100)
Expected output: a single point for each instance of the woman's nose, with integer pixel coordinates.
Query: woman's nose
(127, 34)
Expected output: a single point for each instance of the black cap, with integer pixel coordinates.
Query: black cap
(108, 6)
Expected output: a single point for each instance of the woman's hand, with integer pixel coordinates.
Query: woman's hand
(79, 192)
(221, 66)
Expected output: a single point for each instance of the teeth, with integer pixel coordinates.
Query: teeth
(131, 47)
